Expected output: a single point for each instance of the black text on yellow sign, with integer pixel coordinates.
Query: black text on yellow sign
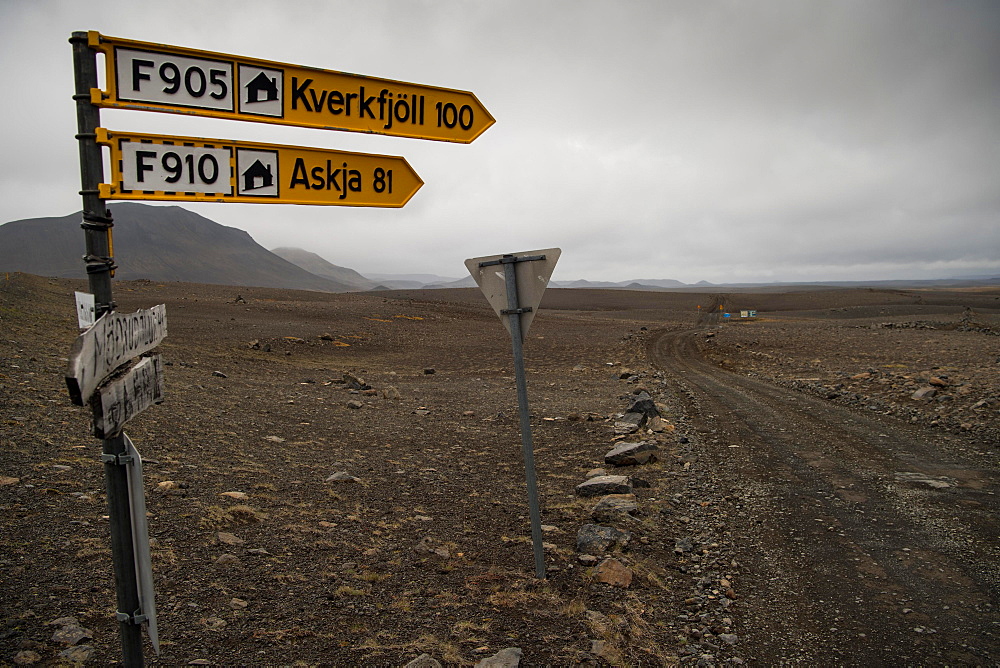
(155, 167)
(158, 77)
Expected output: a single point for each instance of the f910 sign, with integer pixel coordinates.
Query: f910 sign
(155, 167)
(163, 167)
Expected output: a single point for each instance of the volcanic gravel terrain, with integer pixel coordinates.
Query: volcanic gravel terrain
(337, 479)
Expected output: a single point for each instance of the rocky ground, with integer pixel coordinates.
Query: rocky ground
(337, 479)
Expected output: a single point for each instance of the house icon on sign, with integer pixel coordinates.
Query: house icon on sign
(262, 88)
(258, 175)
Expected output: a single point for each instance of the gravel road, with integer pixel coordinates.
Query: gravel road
(865, 540)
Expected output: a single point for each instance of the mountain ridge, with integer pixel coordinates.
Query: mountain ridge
(170, 243)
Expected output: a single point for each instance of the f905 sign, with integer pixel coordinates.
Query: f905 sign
(195, 169)
(147, 76)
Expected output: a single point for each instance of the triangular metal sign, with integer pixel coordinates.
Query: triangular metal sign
(532, 275)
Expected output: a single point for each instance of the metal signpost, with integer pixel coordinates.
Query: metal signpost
(153, 167)
(158, 77)
(513, 285)
(161, 78)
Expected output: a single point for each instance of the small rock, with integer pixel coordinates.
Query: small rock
(238, 604)
(225, 559)
(431, 546)
(238, 496)
(429, 371)
(78, 654)
(682, 545)
(72, 634)
(391, 393)
(613, 572)
(26, 658)
(729, 638)
(215, 623)
(274, 439)
(355, 404)
(587, 559)
(505, 658)
(229, 539)
(219, 374)
(353, 382)
(424, 661)
(342, 476)
(8, 480)
(926, 392)
(64, 621)
(606, 651)
(594, 473)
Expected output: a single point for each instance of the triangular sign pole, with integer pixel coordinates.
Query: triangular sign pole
(540, 265)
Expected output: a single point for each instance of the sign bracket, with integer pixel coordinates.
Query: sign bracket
(136, 618)
(120, 459)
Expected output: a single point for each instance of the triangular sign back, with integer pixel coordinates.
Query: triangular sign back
(532, 279)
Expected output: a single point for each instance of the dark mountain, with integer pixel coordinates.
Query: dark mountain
(162, 243)
(315, 264)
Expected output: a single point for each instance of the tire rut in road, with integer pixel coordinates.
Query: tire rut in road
(866, 539)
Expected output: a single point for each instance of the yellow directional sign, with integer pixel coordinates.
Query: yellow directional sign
(154, 167)
(157, 77)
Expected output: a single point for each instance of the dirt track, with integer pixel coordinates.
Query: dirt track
(866, 539)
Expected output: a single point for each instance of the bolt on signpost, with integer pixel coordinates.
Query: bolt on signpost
(513, 285)
(157, 77)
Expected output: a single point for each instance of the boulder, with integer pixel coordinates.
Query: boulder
(644, 404)
(632, 454)
(630, 423)
(604, 484)
(613, 572)
(596, 539)
(614, 507)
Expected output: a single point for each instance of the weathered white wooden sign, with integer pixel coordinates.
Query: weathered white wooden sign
(124, 398)
(113, 340)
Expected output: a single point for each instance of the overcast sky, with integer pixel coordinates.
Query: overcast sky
(695, 140)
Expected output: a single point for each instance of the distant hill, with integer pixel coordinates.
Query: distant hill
(314, 264)
(162, 243)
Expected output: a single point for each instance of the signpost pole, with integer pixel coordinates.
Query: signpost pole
(97, 225)
(513, 310)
